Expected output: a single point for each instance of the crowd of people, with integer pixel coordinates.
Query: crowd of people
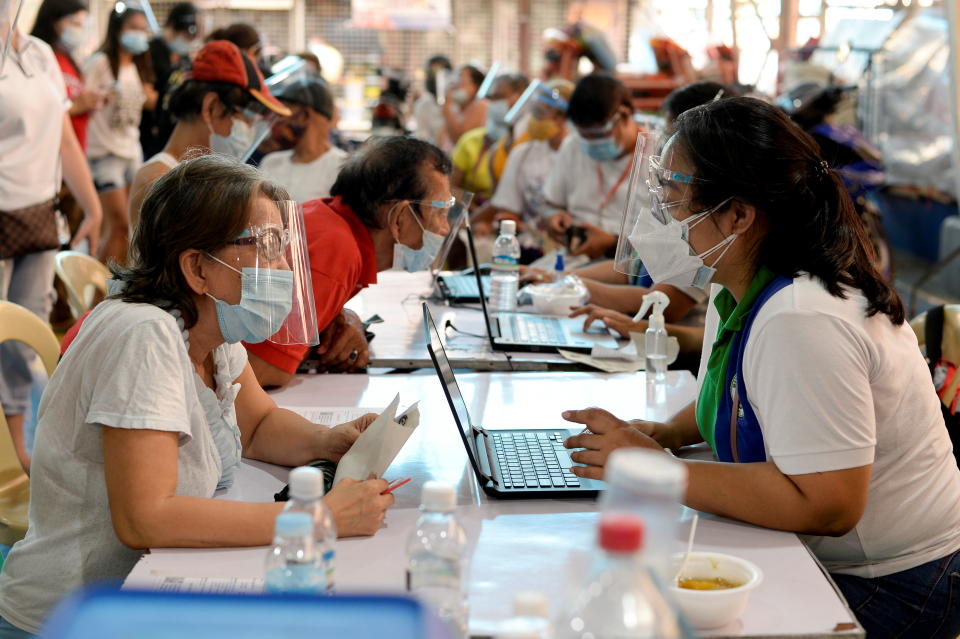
(160, 389)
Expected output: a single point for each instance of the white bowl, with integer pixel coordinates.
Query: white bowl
(550, 303)
(706, 609)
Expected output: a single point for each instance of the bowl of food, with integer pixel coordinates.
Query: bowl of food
(714, 588)
(556, 298)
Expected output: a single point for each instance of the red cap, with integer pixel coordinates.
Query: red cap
(621, 533)
(222, 61)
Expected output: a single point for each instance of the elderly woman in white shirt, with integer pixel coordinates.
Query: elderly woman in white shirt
(37, 146)
(154, 403)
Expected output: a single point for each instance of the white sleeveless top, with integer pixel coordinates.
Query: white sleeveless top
(164, 158)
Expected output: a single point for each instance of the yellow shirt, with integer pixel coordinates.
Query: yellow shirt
(472, 157)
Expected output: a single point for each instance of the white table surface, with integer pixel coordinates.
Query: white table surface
(400, 343)
(524, 544)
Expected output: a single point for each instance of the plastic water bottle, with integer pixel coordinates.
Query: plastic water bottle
(505, 275)
(293, 564)
(306, 495)
(648, 485)
(621, 600)
(436, 557)
(531, 618)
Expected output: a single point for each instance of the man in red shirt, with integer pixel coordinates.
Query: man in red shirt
(388, 210)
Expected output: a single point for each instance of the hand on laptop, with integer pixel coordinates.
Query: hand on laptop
(621, 323)
(604, 433)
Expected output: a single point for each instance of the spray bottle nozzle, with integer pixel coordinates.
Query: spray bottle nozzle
(659, 301)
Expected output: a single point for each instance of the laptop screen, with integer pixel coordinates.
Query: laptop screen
(449, 381)
(476, 271)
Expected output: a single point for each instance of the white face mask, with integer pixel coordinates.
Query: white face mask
(667, 256)
(412, 260)
(237, 143)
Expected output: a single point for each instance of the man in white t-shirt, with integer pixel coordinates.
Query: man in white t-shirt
(590, 178)
(309, 169)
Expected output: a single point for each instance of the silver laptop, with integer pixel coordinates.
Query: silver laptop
(527, 332)
(509, 463)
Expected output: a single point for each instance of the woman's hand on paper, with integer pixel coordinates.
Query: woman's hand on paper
(358, 507)
(604, 433)
(338, 440)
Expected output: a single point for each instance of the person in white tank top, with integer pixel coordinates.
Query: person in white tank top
(215, 111)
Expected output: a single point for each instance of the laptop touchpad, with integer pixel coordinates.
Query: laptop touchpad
(563, 456)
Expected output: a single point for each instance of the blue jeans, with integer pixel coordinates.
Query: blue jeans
(919, 602)
(28, 281)
(10, 631)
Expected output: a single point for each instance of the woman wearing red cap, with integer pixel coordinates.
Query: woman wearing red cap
(215, 110)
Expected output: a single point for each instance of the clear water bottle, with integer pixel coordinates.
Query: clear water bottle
(621, 600)
(531, 618)
(306, 495)
(293, 564)
(505, 274)
(436, 557)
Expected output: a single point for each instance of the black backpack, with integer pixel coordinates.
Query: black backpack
(933, 339)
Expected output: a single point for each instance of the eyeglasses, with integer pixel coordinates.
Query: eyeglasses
(434, 206)
(597, 132)
(270, 239)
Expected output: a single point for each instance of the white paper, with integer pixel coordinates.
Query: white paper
(629, 359)
(331, 415)
(606, 365)
(207, 584)
(378, 445)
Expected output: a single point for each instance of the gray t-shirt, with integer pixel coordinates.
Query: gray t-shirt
(127, 368)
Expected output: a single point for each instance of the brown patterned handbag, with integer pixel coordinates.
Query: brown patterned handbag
(29, 230)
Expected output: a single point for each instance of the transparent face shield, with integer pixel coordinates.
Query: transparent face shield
(457, 218)
(276, 290)
(9, 17)
(488, 80)
(520, 107)
(289, 70)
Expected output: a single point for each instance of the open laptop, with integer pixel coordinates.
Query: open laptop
(462, 286)
(527, 332)
(509, 463)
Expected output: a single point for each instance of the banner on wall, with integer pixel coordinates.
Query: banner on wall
(401, 15)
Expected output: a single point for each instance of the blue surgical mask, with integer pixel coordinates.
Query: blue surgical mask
(413, 260)
(180, 46)
(237, 143)
(73, 37)
(266, 296)
(134, 42)
(604, 149)
(496, 119)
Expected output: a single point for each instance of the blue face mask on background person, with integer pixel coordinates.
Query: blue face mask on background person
(237, 143)
(73, 37)
(134, 42)
(180, 46)
(496, 119)
(413, 260)
(266, 296)
(602, 150)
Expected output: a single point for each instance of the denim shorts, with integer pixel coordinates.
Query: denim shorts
(10, 631)
(113, 172)
(919, 602)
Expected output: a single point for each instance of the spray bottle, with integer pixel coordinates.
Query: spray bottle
(656, 338)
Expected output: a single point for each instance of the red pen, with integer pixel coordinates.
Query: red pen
(396, 484)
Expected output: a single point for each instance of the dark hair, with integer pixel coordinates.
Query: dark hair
(240, 33)
(746, 149)
(476, 75)
(384, 169)
(693, 95)
(516, 82)
(51, 12)
(431, 81)
(186, 101)
(111, 45)
(201, 204)
(596, 98)
(183, 17)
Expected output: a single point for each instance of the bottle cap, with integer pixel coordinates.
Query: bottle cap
(531, 603)
(621, 533)
(438, 497)
(647, 472)
(306, 482)
(294, 524)
(559, 265)
(508, 226)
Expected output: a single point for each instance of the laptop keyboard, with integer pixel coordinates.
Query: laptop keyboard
(529, 460)
(539, 330)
